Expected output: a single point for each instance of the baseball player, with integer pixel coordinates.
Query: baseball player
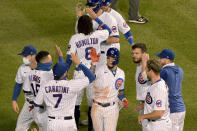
(81, 43)
(108, 86)
(25, 117)
(112, 41)
(59, 95)
(121, 23)
(34, 80)
(156, 106)
(140, 57)
(173, 76)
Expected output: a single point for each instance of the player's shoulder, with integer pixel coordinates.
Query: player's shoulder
(24, 67)
(75, 36)
(107, 16)
(120, 70)
(161, 85)
(115, 13)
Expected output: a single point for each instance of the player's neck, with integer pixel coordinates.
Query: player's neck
(109, 9)
(155, 78)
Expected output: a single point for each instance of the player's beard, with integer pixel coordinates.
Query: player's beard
(137, 61)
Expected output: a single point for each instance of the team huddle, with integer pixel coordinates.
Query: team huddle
(53, 102)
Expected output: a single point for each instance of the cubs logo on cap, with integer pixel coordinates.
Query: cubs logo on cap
(158, 103)
(118, 83)
(149, 99)
(112, 52)
(140, 79)
(114, 29)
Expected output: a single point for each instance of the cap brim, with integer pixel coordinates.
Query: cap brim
(159, 55)
(23, 54)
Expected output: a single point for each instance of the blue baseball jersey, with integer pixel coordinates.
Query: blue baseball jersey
(173, 76)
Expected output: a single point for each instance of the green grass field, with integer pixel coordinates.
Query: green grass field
(45, 23)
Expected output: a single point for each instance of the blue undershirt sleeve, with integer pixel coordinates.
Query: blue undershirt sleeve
(61, 60)
(17, 91)
(104, 26)
(87, 72)
(68, 61)
(129, 37)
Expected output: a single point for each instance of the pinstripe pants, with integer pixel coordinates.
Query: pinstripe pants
(105, 118)
(177, 121)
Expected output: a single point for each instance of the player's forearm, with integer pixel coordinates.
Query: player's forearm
(61, 60)
(68, 60)
(102, 25)
(112, 40)
(129, 37)
(154, 115)
(87, 72)
(16, 92)
(121, 95)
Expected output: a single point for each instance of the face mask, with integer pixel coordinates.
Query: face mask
(26, 61)
(44, 66)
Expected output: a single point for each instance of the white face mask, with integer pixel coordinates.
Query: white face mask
(26, 61)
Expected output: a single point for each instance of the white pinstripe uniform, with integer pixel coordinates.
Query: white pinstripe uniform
(81, 45)
(157, 99)
(25, 117)
(32, 85)
(59, 97)
(142, 84)
(106, 89)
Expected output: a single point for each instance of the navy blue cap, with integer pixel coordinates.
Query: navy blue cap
(28, 50)
(93, 2)
(106, 2)
(166, 53)
(60, 68)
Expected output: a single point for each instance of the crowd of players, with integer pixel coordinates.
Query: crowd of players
(53, 101)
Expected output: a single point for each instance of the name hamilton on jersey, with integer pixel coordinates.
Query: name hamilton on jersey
(88, 41)
(58, 89)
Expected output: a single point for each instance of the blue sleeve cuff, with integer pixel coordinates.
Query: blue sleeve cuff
(87, 72)
(128, 37)
(122, 96)
(61, 60)
(17, 91)
(117, 36)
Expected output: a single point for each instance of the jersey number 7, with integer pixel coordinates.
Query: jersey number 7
(58, 100)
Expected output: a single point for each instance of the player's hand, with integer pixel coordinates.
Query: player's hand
(138, 107)
(75, 59)
(140, 119)
(79, 9)
(31, 107)
(15, 107)
(58, 51)
(125, 103)
(145, 58)
(91, 13)
(94, 56)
